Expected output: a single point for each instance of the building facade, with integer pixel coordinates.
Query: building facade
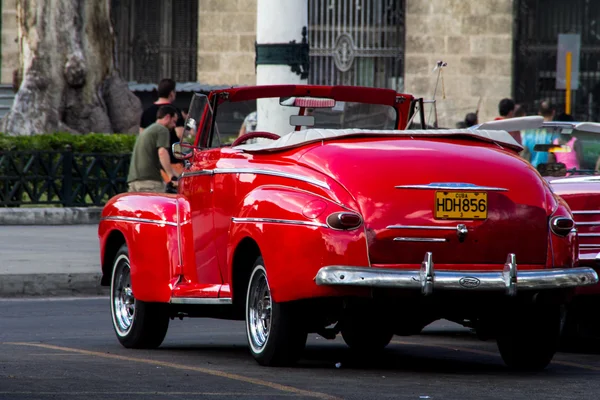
(493, 48)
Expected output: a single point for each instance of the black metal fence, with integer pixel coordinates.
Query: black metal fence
(62, 178)
(538, 24)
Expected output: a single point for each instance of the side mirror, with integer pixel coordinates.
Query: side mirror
(182, 150)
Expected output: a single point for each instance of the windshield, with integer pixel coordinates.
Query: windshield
(281, 116)
(561, 152)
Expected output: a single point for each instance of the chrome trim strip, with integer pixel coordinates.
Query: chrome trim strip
(588, 234)
(586, 179)
(278, 221)
(590, 257)
(587, 223)
(140, 220)
(259, 171)
(453, 186)
(418, 239)
(272, 173)
(185, 174)
(198, 300)
(583, 212)
(446, 228)
(589, 246)
(341, 275)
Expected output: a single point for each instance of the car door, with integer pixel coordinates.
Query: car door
(197, 185)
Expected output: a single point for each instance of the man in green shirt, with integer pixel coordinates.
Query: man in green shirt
(150, 153)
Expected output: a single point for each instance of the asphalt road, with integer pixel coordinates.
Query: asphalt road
(66, 349)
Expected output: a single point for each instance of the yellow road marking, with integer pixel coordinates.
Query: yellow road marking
(490, 353)
(208, 371)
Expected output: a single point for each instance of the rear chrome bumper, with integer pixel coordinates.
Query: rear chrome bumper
(427, 279)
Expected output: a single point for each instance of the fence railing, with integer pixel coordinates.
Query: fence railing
(64, 178)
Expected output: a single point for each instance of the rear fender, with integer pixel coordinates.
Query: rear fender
(289, 226)
(156, 229)
(564, 250)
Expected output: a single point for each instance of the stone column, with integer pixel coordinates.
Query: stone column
(279, 22)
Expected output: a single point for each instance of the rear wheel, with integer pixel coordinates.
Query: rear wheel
(276, 335)
(137, 324)
(530, 341)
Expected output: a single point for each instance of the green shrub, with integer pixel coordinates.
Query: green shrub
(90, 143)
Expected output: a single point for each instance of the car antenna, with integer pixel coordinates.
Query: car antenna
(439, 66)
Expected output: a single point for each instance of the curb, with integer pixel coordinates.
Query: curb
(50, 216)
(51, 285)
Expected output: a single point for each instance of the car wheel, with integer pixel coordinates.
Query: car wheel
(276, 337)
(137, 324)
(530, 341)
(364, 331)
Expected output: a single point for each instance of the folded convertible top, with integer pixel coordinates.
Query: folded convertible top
(299, 138)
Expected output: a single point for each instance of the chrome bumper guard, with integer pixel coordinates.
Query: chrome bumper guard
(427, 278)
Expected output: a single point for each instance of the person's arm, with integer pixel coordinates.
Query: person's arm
(242, 130)
(165, 162)
(179, 132)
(180, 124)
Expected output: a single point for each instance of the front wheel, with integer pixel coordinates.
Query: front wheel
(276, 335)
(530, 340)
(137, 324)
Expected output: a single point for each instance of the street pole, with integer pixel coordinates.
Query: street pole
(281, 57)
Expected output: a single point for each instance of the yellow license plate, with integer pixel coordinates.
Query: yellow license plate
(460, 205)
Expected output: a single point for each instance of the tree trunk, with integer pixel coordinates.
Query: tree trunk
(69, 81)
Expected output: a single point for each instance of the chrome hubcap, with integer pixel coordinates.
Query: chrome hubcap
(259, 311)
(122, 296)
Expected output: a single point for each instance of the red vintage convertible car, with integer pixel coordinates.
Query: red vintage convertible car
(340, 220)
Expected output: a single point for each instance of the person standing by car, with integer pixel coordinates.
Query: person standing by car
(531, 137)
(150, 154)
(166, 96)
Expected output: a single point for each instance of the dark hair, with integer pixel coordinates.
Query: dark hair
(505, 106)
(165, 87)
(471, 119)
(520, 110)
(546, 108)
(164, 111)
(564, 117)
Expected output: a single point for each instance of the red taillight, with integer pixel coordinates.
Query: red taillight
(562, 226)
(344, 220)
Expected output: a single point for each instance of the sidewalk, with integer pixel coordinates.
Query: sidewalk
(49, 215)
(49, 252)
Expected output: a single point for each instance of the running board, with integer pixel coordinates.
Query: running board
(199, 300)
